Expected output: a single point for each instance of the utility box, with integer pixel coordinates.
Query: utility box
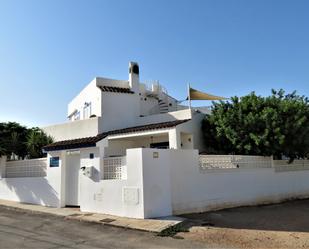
(88, 171)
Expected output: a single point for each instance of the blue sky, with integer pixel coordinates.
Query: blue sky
(49, 50)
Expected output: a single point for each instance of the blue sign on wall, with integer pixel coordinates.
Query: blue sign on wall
(54, 162)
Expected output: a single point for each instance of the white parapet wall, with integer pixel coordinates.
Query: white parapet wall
(75, 129)
(165, 117)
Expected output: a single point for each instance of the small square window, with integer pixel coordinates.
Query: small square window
(91, 155)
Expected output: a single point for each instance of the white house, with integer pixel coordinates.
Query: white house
(109, 117)
(107, 105)
(132, 150)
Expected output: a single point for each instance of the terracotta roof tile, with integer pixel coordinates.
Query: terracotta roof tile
(91, 141)
(115, 89)
(147, 127)
(73, 143)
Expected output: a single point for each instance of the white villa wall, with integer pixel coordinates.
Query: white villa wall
(147, 176)
(35, 190)
(193, 127)
(77, 129)
(148, 105)
(179, 136)
(165, 117)
(144, 142)
(203, 109)
(100, 81)
(187, 141)
(56, 175)
(91, 93)
(2, 166)
(119, 110)
(118, 147)
(174, 184)
(107, 196)
(156, 183)
(44, 191)
(196, 191)
(160, 182)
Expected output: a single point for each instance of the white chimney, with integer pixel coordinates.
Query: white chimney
(134, 76)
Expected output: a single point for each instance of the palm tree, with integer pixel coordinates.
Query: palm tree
(20, 141)
(14, 143)
(12, 139)
(36, 139)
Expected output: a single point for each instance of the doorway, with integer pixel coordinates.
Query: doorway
(72, 179)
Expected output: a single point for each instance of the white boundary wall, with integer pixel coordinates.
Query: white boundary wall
(195, 191)
(173, 183)
(161, 183)
(36, 190)
(215, 162)
(117, 197)
(145, 193)
(26, 168)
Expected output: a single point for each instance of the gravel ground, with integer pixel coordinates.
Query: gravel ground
(284, 225)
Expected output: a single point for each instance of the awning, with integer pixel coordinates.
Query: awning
(198, 95)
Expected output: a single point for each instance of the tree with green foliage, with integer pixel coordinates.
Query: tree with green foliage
(13, 137)
(36, 139)
(276, 125)
(2, 150)
(22, 141)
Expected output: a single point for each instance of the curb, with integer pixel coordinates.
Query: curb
(90, 218)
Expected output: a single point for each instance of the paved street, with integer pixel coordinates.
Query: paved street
(284, 225)
(20, 229)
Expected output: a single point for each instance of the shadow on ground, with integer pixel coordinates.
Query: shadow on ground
(290, 216)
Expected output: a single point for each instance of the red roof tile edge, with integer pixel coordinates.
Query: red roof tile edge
(91, 141)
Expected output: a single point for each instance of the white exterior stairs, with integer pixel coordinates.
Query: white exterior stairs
(163, 106)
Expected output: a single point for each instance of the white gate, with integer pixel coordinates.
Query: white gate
(72, 183)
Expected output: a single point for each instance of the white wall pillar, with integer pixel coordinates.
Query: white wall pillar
(2, 166)
(156, 183)
(103, 144)
(174, 139)
(56, 175)
(63, 166)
